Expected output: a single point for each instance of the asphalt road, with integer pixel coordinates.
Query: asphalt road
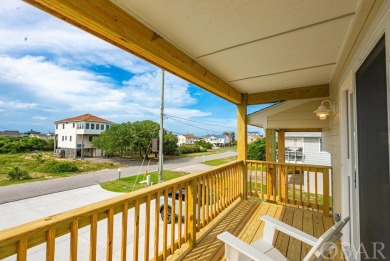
(33, 189)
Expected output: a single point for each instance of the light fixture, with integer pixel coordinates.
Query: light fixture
(322, 112)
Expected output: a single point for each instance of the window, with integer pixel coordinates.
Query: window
(90, 138)
(87, 126)
(97, 126)
(63, 126)
(102, 127)
(107, 126)
(70, 138)
(92, 126)
(74, 124)
(56, 126)
(62, 138)
(66, 138)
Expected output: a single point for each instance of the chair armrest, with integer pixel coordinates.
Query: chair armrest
(241, 247)
(289, 230)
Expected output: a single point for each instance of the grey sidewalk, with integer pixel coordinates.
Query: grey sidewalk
(28, 190)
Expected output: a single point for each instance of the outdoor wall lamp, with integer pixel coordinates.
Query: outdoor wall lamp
(323, 111)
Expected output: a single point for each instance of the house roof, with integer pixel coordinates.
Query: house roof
(218, 136)
(189, 136)
(84, 117)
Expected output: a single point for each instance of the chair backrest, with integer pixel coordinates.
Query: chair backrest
(325, 241)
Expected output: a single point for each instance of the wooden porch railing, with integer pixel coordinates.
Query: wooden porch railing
(199, 199)
(295, 184)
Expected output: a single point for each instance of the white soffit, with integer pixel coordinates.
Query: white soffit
(250, 43)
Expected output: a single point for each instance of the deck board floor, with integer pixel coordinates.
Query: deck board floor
(244, 222)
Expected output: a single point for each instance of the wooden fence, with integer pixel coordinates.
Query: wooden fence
(196, 199)
(295, 184)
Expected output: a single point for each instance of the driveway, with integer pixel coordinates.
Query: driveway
(34, 189)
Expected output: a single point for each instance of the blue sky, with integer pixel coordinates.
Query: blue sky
(50, 70)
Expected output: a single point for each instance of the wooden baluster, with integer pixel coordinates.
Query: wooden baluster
(261, 179)
(50, 244)
(316, 188)
(308, 186)
(285, 184)
(326, 173)
(207, 187)
(180, 215)
(250, 178)
(147, 227)
(74, 230)
(173, 218)
(186, 214)
(300, 187)
(93, 238)
(22, 249)
(165, 226)
(110, 233)
(156, 225)
(280, 188)
(125, 209)
(293, 187)
(191, 213)
(203, 201)
(136, 230)
(223, 188)
(256, 188)
(214, 194)
(198, 194)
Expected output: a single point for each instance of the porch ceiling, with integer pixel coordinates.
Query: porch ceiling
(255, 46)
(271, 49)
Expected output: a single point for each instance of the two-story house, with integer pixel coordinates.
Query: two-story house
(74, 136)
(217, 140)
(185, 139)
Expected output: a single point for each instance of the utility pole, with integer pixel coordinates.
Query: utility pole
(161, 142)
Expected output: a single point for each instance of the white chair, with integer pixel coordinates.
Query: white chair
(263, 250)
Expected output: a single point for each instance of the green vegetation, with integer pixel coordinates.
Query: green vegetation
(217, 162)
(127, 138)
(126, 184)
(186, 149)
(9, 144)
(18, 174)
(256, 150)
(42, 166)
(204, 144)
(59, 167)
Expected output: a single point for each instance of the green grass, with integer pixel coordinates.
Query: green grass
(27, 162)
(126, 184)
(218, 162)
(208, 152)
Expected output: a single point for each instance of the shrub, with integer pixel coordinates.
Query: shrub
(256, 150)
(185, 149)
(204, 144)
(38, 157)
(60, 167)
(18, 174)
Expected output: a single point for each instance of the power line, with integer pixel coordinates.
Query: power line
(213, 131)
(171, 116)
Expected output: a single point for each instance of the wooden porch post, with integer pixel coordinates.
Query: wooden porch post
(242, 140)
(270, 143)
(281, 159)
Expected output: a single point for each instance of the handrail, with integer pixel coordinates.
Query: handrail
(301, 185)
(223, 185)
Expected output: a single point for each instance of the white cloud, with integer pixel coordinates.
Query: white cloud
(146, 89)
(26, 29)
(80, 90)
(16, 105)
(40, 118)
